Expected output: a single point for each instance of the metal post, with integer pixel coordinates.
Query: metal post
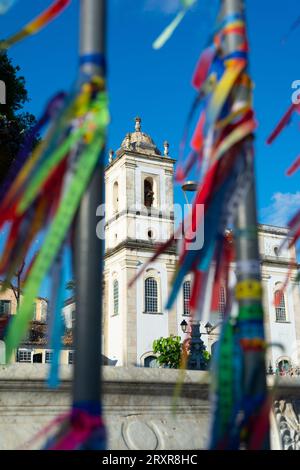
(196, 360)
(254, 382)
(88, 248)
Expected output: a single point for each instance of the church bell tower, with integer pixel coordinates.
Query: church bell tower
(139, 214)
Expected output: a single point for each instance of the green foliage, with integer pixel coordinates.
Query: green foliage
(13, 122)
(207, 356)
(168, 351)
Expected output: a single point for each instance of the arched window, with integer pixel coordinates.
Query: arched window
(222, 301)
(280, 306)
(186, 297)
(284, 367)
(151, 361)
(151, 295)
(116, 196)
(148, 192)
(116, 296)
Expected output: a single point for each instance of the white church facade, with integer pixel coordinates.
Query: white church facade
(139, 201)
(139, 195)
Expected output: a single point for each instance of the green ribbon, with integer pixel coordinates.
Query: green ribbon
(47, 167)
(226, 376)
(251, 312)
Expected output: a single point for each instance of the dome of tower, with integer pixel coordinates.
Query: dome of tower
(139, 141)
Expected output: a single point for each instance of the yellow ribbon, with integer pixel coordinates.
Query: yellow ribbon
(248, 289)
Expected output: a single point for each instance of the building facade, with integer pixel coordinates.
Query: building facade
(139, 214)
(34, 348)
(282, 318)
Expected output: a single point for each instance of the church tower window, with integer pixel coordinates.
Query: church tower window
(151, 295)
(116, 196)
(186, 297)
(116, 296)
(280, 307)
(148, 192)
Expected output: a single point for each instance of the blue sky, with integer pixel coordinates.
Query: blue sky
(156, 84)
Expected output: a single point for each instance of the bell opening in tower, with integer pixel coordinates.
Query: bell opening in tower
(148, 192)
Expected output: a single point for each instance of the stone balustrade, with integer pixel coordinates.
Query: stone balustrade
(138, 407)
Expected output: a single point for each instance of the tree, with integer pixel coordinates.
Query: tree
(207, 358)
(168, 350)
(14, 123)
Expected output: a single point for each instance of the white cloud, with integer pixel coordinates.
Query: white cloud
(282, 208)
(164, 6)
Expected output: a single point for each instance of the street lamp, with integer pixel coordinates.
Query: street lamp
(196, 359)
(209, 327)
(189, 187)
(184, 326)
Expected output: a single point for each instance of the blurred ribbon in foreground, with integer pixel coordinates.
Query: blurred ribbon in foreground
(42, 193)
(46, 192)
(293, 235)
(167, 33)
(221, 139)
(37, 24)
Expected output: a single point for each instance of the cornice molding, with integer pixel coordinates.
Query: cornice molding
(136, 155)
(138, 245)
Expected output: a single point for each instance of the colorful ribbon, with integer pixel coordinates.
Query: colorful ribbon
(294, 167)
(83, 430)
(55, 321)
(294, 225)
(59, 182)
(37, 24)
(167, 33)
(221, 146)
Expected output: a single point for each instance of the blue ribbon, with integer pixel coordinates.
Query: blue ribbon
(96, 59)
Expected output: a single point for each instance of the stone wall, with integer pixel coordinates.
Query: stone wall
(138, 407)
(286, 415)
